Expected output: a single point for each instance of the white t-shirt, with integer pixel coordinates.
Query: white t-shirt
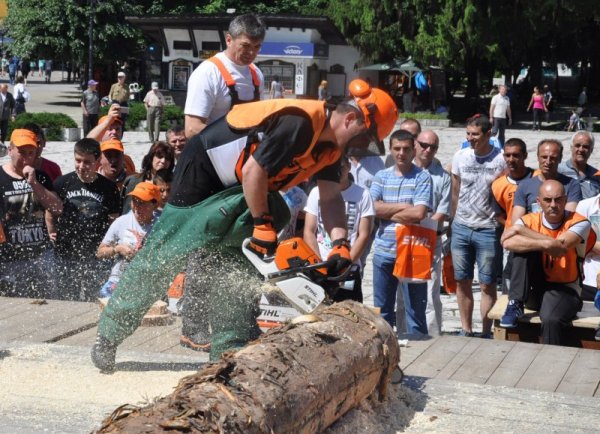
(476, 173)
(358, 205)
(590, 208)
(295, 198)
(125, 230)
(501, 105)
(208, 94)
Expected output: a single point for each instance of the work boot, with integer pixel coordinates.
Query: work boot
(103, 355)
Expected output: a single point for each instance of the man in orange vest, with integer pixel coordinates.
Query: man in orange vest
(228, 78)
(555, 241)
(256, 150)
(505, 187)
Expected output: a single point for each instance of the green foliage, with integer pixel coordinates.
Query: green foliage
(53, 123)
(59, 29)
(172, 115)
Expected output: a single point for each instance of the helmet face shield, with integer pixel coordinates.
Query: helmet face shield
(379, 111)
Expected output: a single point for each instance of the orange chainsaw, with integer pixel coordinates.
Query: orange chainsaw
(300, 274)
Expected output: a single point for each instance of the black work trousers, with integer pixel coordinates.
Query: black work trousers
(557, 303)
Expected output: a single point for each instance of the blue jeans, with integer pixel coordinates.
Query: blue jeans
(481, 245)
(415, 304)
(384, 287)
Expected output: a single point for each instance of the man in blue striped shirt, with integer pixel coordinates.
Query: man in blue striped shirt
(401, 194)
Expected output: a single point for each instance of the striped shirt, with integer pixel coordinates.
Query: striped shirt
(415, 188)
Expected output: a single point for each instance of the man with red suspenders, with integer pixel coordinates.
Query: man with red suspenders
(218, 84)
(228, 78)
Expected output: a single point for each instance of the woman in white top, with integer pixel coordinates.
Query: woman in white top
(277, 88)
(21, 95)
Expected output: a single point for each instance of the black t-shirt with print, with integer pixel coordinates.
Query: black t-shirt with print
(22, 216)
(281, 137)
(85, 217)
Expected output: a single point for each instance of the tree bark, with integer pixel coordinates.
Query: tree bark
(299, 378)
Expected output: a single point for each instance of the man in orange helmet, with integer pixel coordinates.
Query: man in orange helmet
(225, 189)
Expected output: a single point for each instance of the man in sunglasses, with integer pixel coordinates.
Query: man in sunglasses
(426, 147)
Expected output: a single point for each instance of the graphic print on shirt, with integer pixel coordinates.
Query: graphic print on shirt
(23, 218)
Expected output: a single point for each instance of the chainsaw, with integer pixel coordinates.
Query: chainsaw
(300, 274)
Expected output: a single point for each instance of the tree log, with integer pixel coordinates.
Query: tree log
(299, 378)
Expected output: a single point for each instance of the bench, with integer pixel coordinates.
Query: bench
(583, 333)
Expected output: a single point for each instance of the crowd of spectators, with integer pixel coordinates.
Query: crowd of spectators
(70, 236)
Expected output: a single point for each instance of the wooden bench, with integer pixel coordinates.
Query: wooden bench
(583, 327)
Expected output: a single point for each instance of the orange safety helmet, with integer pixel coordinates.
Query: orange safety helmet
(377, 106)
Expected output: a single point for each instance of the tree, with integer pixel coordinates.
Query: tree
(60, 29)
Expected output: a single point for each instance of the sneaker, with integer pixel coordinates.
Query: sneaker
(466, 334)
(486, 336)
(597, 337)
(511, 316)
(196, 342)
(103, 355)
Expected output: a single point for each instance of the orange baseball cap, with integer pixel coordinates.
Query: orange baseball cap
(23, 137)
(104, 118)
(146, 191)
(109, 144)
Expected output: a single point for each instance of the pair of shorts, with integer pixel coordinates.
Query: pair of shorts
(476, 245)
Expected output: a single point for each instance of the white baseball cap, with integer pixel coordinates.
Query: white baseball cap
(154, 85)
(121, 74)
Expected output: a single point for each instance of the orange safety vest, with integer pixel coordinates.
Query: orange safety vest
(229, 80)
(302, 166)
(563, 269)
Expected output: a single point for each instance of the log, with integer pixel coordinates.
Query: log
(299, 378)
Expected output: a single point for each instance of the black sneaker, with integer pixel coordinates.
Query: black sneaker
(514, 311)
(103, 355)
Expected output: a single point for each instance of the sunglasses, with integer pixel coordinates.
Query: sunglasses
(427, 145)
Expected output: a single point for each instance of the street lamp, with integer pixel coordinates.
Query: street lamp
(91, 41)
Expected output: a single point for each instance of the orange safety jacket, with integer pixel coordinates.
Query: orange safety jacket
(563, 269)
(302, 167)
(230, 81)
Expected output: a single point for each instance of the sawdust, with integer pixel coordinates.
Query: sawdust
(61, 382)
(373, 417)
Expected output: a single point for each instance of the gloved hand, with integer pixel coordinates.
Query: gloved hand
(339, 257)
(597, 300)
(264, 237)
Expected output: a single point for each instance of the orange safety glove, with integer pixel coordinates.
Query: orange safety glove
(264, 237)
(339, 258)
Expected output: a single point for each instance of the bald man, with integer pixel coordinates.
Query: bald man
(428, 313)
(553, 240)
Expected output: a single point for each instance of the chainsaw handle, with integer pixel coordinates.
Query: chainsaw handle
(349, 274)
(294, 270)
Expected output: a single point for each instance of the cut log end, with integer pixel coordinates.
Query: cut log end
(299, 378)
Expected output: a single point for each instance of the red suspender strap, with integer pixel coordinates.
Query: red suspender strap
(254, 74)
(224, 72)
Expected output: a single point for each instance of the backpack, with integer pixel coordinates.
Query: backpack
(20, 98)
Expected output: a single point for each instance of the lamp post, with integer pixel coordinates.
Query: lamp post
(91, 42)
